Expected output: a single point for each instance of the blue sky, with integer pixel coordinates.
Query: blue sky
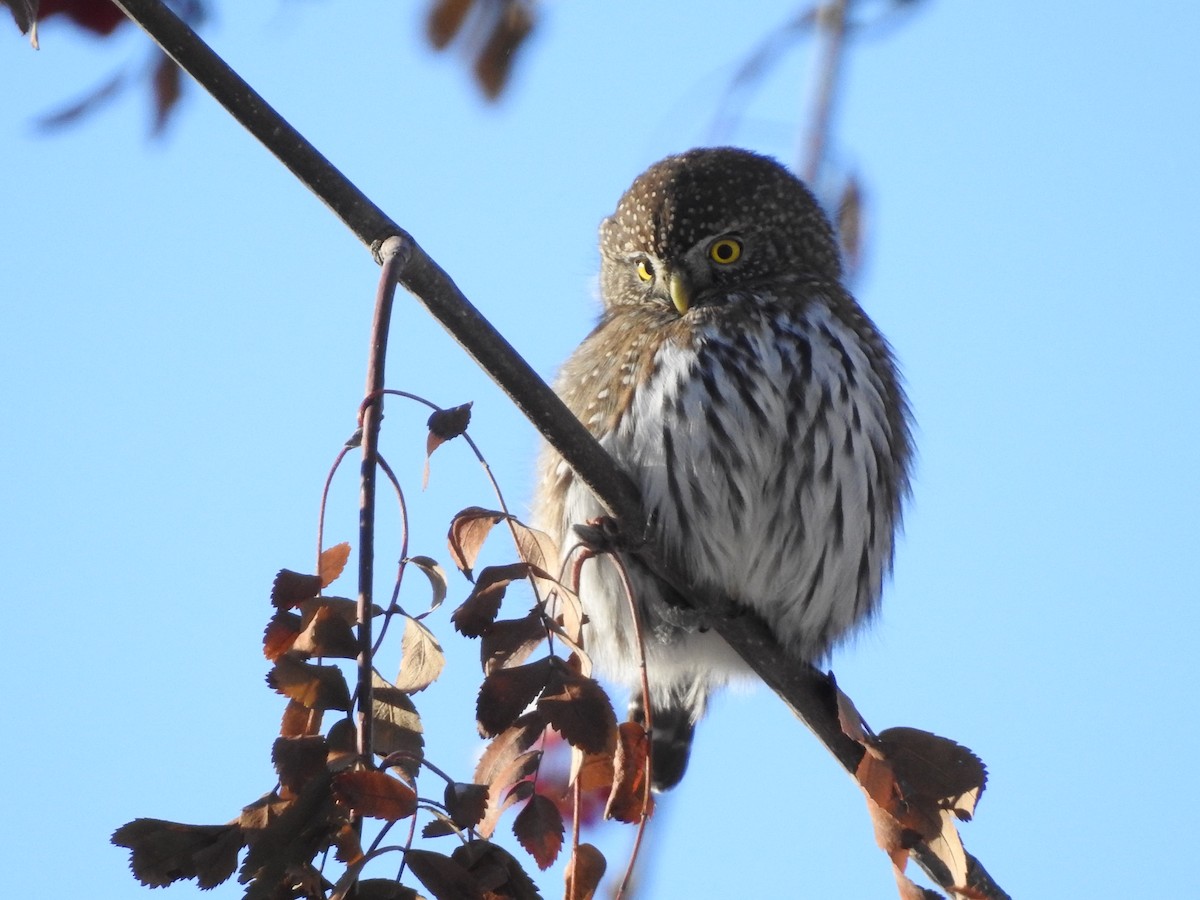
(184, 334)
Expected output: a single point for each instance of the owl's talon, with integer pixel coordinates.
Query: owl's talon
(603, 535)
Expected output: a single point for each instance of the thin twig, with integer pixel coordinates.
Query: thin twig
(393, 253)
(648, 720)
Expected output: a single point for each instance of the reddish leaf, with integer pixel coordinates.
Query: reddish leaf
(163, 852)
(421, 658)
(375, 794)
(506, 693)
(331, 563)
(629, 799)
(299, 720)
(397, 727)
(328, 635)
(281, 632)
(539, 828)
(580, 711)
(584, 871)
(593, 771)
(298, 760)
(442, 876)
(466, 803)
(317, 687)
(468, 530)
(509, 642)
(479, 610)
(292, 587)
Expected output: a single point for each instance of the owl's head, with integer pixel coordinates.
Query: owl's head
(696, 227)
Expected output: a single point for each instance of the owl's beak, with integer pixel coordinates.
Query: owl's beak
(681, 291)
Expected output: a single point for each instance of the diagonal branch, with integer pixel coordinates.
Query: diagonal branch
(807, 692)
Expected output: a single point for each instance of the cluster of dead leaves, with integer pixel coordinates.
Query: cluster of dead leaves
(492, 32)
(521, 702)
(917, 785)
(324, 785)
(327, 783)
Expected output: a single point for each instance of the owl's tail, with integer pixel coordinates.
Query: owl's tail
(671, 739)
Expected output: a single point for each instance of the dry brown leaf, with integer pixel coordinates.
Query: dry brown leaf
(479, 610)
(441, 826)
(342, 607)
(396, 726)
(444, 425)
(283, 836)
(383, 889)
(509, 642)
(931, 767)
(437, 579)
(509, 785)
(539, 828)
(468, 530)
(343, 745)
(466, 803)
(505, 694)
(421, 657)
(584, 871)
(163, 852)
(289, 588)
(496, 870)
(852, 723)
(375, 794)
(298, 760)
(580, 711)
(442, 876)
(317, 687)
(444, 21)
(493, 65)
(332, 562)
(505, 747)
(568, 613)
(327, 634)
(166, 88)
(629, 799)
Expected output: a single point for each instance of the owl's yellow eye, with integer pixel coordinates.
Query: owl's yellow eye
(645, 270)
(725, 251)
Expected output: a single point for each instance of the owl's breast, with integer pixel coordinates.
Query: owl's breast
(760, 452)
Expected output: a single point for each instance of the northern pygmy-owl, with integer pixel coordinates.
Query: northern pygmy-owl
(759, 411)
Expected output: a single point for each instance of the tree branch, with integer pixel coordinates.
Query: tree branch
(807, 692)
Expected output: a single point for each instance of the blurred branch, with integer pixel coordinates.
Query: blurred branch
(831, 23)
(807, 692)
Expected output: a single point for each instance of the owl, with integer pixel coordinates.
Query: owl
(759, 412)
